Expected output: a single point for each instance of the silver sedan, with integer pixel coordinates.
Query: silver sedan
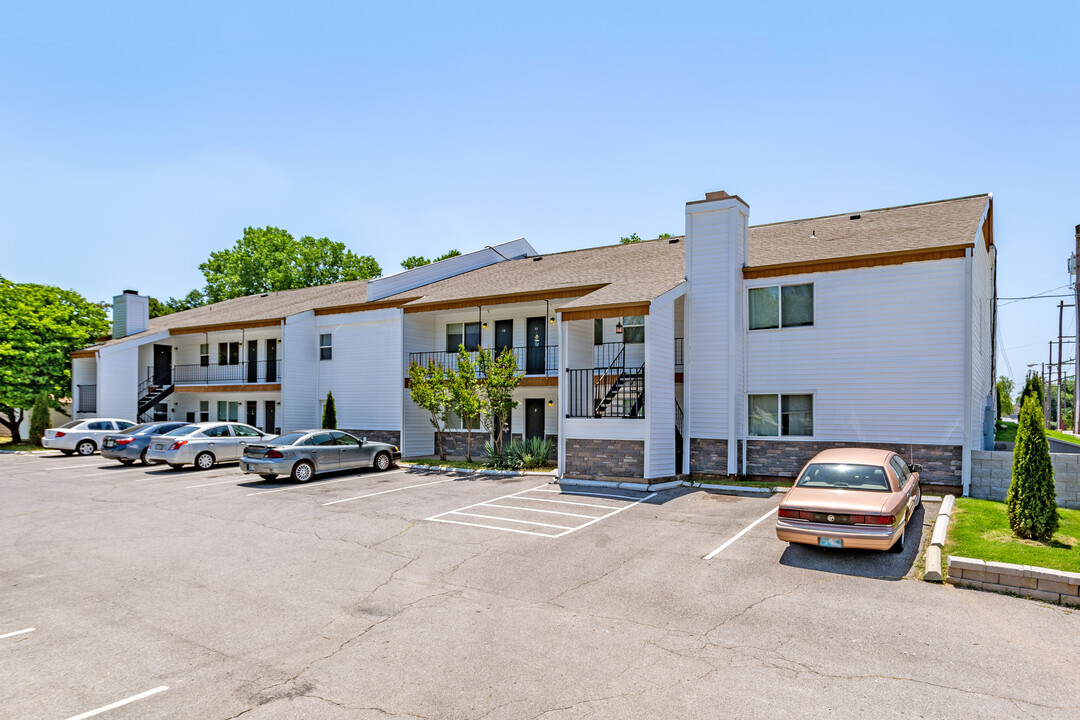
(303, 454)
(203, 444)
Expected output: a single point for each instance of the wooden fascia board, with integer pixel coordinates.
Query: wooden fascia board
(527, 381)
(253, 387)
(363, 307)
(988, 225)
(84, 354)
(504, 299)
(598, 312)
(856, 261)
(199, 329)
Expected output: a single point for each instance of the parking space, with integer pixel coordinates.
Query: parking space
(151, 593)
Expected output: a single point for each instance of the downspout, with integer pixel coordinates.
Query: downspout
(965, 471)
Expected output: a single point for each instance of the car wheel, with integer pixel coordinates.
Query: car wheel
(86, 447)
(142, 457)
(919, 503)
(126, 461)
(382, 461)
(204, 460)
(303, 471)
(269, 478)
(898, 546)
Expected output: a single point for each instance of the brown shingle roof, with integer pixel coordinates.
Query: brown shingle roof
(898, 229)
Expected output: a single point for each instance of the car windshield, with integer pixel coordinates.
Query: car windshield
(286, 439)
(71, 424)
(839, 476)
(183, 430)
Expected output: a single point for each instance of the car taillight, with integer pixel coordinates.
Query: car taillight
(60, 434)
(178, 444)
(124, 440)
(880, 519)
(274, 454)
(786, 513)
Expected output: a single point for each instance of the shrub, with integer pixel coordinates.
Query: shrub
(39, 419)
(329, 413)
(1031, 502)
(496, 457)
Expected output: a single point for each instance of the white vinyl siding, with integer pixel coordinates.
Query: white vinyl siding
(885, 357)
(118, 382)
(299, 383)
(366, 379)
(660, 389)
(417, 435)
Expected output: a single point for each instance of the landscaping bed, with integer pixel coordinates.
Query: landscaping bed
(734, 482)
(980, 529)
(1007, 433)
(463, 464)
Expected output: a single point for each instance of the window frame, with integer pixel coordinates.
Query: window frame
(598, 332)
(780, 413)
(226, 356)
(204, 354)
(626, 325)
(326, 346)
(780, 306)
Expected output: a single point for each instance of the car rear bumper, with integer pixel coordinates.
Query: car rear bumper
(266, 466)
(64, 443)
(869, 538)
(122, 452)
(173, 457)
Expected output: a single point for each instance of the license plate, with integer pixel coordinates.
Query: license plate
(108, 443)
(830, 542)
(158, 447)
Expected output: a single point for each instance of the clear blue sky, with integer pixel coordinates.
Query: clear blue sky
(136, 138)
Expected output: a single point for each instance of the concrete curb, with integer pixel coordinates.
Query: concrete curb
(611, 484)
(932, 572)
(467, 471)
(735, 489)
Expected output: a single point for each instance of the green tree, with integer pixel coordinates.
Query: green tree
(664, 236)
(1032, 386)
(1031, 502)
(415, 261)
(465, 399)
(329, 413)
(193, 299)
(632, 239)
(40, 326)
(1004, 391)
(430, 390)
(499, 376)
(270, 259)
(39, 419)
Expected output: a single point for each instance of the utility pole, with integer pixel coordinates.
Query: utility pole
(1076, 372)
(1061, 314)
(1047, 376)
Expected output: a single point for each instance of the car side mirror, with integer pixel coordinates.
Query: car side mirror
(916, 468)
(363, 439)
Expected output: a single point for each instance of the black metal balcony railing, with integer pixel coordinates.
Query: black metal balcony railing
(263, 371)
(87, 398)
(541, 360)
(606, 393)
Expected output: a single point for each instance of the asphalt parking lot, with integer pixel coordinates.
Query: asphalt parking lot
(206, 594)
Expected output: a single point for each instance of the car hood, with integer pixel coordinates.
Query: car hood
(840, 501)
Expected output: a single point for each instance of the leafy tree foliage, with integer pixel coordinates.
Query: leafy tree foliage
(465, 397)
(39, 419)
(40, 326)
(632, 239)
(270, 259)
(498, 378)
(1004, 391)
(1032, 386)
(664, 236)
(429, 387)
(329, 413)
(193, 299)
(1031, 502)
(415, 261)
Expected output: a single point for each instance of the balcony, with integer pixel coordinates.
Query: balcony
(540, 360)
(245, 373)
(612, 390)
(87, 399)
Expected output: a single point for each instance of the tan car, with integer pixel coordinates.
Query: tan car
(851, 498)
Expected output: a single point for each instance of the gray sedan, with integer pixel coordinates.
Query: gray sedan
(305, 453)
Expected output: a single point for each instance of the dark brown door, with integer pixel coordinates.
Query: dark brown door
(271, 365)
(253, 362)
(534, 418)
(504, 336)
(269, 418)
(535, 345)
(252, 409)
(162, 365)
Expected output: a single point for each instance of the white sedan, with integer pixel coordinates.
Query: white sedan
(82, 436)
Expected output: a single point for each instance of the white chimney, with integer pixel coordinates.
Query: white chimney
(131, 314)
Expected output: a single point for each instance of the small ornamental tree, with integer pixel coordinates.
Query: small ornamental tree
(1004, 391)
(430, 390)
(1032, 386)
(39, 419)
(465, 395)
(499, 376)
(1031, 502)
(329, 413)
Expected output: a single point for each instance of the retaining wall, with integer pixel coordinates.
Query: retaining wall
(991, 474)
(1054, 586)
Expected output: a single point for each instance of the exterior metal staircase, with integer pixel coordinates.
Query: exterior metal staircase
(153, 390)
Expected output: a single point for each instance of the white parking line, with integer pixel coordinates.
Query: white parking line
(119, 703)
(316, 484)
(219, 482)
(597, 495)
(522, 496)
(17, 632)
(383, 492)
(742, 532)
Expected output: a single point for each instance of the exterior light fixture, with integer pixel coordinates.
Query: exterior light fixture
(551, 403)
(485, 326)
(552, 321)
(618, 328)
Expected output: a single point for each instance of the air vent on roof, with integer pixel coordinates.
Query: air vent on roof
(856, 217)
(672, 241)
(538, 258)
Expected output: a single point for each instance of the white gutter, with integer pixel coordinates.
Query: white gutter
(965, 472)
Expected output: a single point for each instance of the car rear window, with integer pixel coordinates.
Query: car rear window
(71, 424)
(839, 476)
(286, 439)
(140, 429)
(182, 430)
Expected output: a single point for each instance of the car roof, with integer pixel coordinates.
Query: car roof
(854, 456)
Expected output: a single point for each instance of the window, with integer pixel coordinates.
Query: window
(245, 431)
(781, 306)
(217, 431)
(228, 411)
(845, 477)
(123, 424)
(319, 439)
(345, 439)
(780, 415)
(204, 411)
(228, 353)
(204, 355)
(100, 426)
(598, 332)
(458, 334)
(633, 329)
(901, 469)
(326, 346)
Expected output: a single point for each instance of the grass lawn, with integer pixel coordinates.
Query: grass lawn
(980, 529)
(1008, 434)
(6, 444)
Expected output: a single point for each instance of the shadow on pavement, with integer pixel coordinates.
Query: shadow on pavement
(861, 563)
